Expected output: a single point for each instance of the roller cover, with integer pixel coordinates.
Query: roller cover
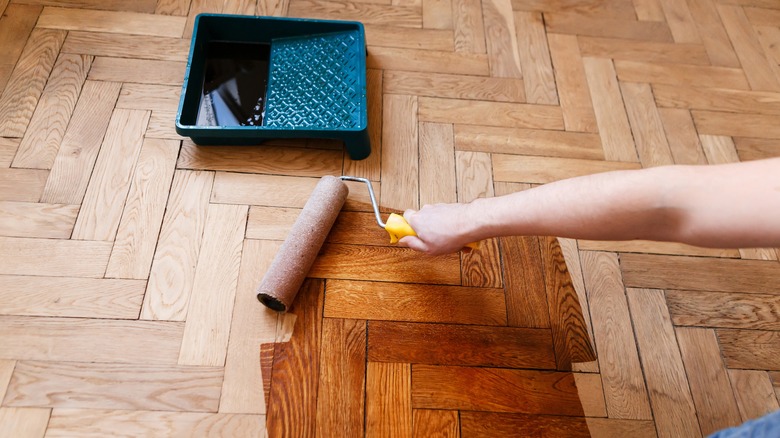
(297, 254)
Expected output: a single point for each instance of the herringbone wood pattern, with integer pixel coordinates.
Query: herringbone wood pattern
(129, 255)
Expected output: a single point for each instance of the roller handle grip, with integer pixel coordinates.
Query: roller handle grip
(397, 227)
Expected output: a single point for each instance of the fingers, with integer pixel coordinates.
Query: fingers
(414, 243)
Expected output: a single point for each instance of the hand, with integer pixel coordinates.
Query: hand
(440, 228)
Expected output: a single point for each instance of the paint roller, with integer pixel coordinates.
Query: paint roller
(285, 276)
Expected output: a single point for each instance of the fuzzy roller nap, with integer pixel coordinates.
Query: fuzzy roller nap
(297, 254)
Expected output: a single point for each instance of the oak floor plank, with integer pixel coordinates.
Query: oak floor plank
(431, 422)
(110, 182)
(212, 299)
(452, 86)
(719, 149)
(142, 71)
(48, 124)
(251, 325)
(100, 422)
(24, 422)
(435, 344)
(712, 33)
(750, 349)
(352, 228)
(172, 7)
(160, 126)
(53, 257)
(292, 407)
(519, 141)
(542, 170)
(760, 73)
(468, 26)
(670, 396)
(70, 297)
(261, 159)
(29, 219)
(609, 8)
(414, 303)
(437, 14)
(680, 21)
(573, 92)
(651, 247)
(126, 45)
(28, 80)
(136, 238)
(73, 165)
(716, 407)
(573, 23)
(613, 427)
(610, 113)
(437, 164)
(681, 75)
(646, 51)
(8, 148)
(110, 5)
(682, 136)
(571, 256)
(356, 262)
(149, 97)
(64, 340)
(756, 148)
(724, 310)
(719, 99)
(697, 273)
(591, 391)
(400, 149)
(478, 112)
(6, 370)
(431, 61)
(624, 385)
(409, 38)
(342, 382)
(538, 76)
(649, 136)
(499, 390)
(388, 399)
(391, 15)
(16, 23)
(501, 43)
(735, 124)
(491, 424)
(754, 393)
(111, 21)
(114, 386)
(21, 185)
(178, 246)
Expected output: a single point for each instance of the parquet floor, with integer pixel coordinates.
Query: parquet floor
(129, 256)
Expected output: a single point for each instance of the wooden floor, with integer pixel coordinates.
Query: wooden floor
(129, 256)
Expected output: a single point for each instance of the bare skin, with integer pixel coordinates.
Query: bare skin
(721, 206)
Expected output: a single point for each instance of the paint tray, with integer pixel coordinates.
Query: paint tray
(251, 79)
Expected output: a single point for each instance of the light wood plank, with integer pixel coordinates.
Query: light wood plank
(388, 399)
(6, 370)
(437, 162)
(591, 393)
(172, 7)
(756, 148)
(401, 16)
(126, 45)
(53, 257)
(437, 14)
(21, 185)
(681, 22)
(41, 141)
(713, 34)
(571, 23)
(213, 293)
(716, 407)
(161, 126)
(681, 75)
(736, 125)
(24, 422)
(149, 97)
(750, 349)
(610, 8)
(110, 21)
(535, 59)
(468, 26)
(754, 393)
(115, 386)
(142, 71)
(760, 73)
(646, 51)
(16, 23)
(110, 182)
(646, 246)
(70, 297)
(109, 5)
(649, 136)
(612, 427)
(624, 386)
(518, 141)
(571, 83)
(408, 38)
(719, 149)
(8, 148)
(23, 219)
(342, 383)
(682, 136)
(718, 99)
(175, 259)
(136, 238)
(400, 168)
(541, 170)
(434, 61)
(611, 115)
(270, 223)
(100, 422)
(501, 43)
(251, 325)
(454, 86)
(73, 165)
(571, 256)
(724, 310)
(27, 81)
(477, 112)
(670, 396)
(414, 303)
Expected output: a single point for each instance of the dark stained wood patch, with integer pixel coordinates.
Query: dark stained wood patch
(493, 424)
(481, 267)
(266, 368)
(526, 298)
(435, 423)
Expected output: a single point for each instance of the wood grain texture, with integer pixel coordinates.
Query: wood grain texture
(624, 386)
(8, 148)
(28, 219)
(468, 26)
(504, 347)
(750, 349)
(649, 137)
(53, 258)
(524, 282)
(479, 112)
(99, 422)
(48, 123)
(126, 45)
(415, 303)
(500, 390)
(724, 310)
(149, 97)
(417, 60)
(454, 86)
(736, 124)
(534, 54)
(571, 256)
(716, 406)
(70, 297)
(567, 323)
(430, 422)
(24, 422)
(391, 36)
(501, 43)
(401, 16)
(388, 399)
(760, 74)
(681, 75)
(72, 167)
(573, 92)
(753, 392)
(136, 238)
(22, 185)
(437, 164)
(175, 260)
(212, 300)
(682, 136)
(399, 153)
(341, 392)
(111, 21)
(712, 33)
(292, 407)
(16, 23)
(542, 170)
(670, 397)
(487, 424)
(143, 71)
(651, 247)
(114, 386)
(573, 23)
(648, 51)
(108, 187)
(729, 99)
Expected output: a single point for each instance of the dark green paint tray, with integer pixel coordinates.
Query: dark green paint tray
(251, 79)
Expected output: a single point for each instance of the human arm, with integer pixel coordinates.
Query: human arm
(727, 206)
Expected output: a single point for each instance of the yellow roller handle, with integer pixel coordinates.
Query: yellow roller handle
(397, 227)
